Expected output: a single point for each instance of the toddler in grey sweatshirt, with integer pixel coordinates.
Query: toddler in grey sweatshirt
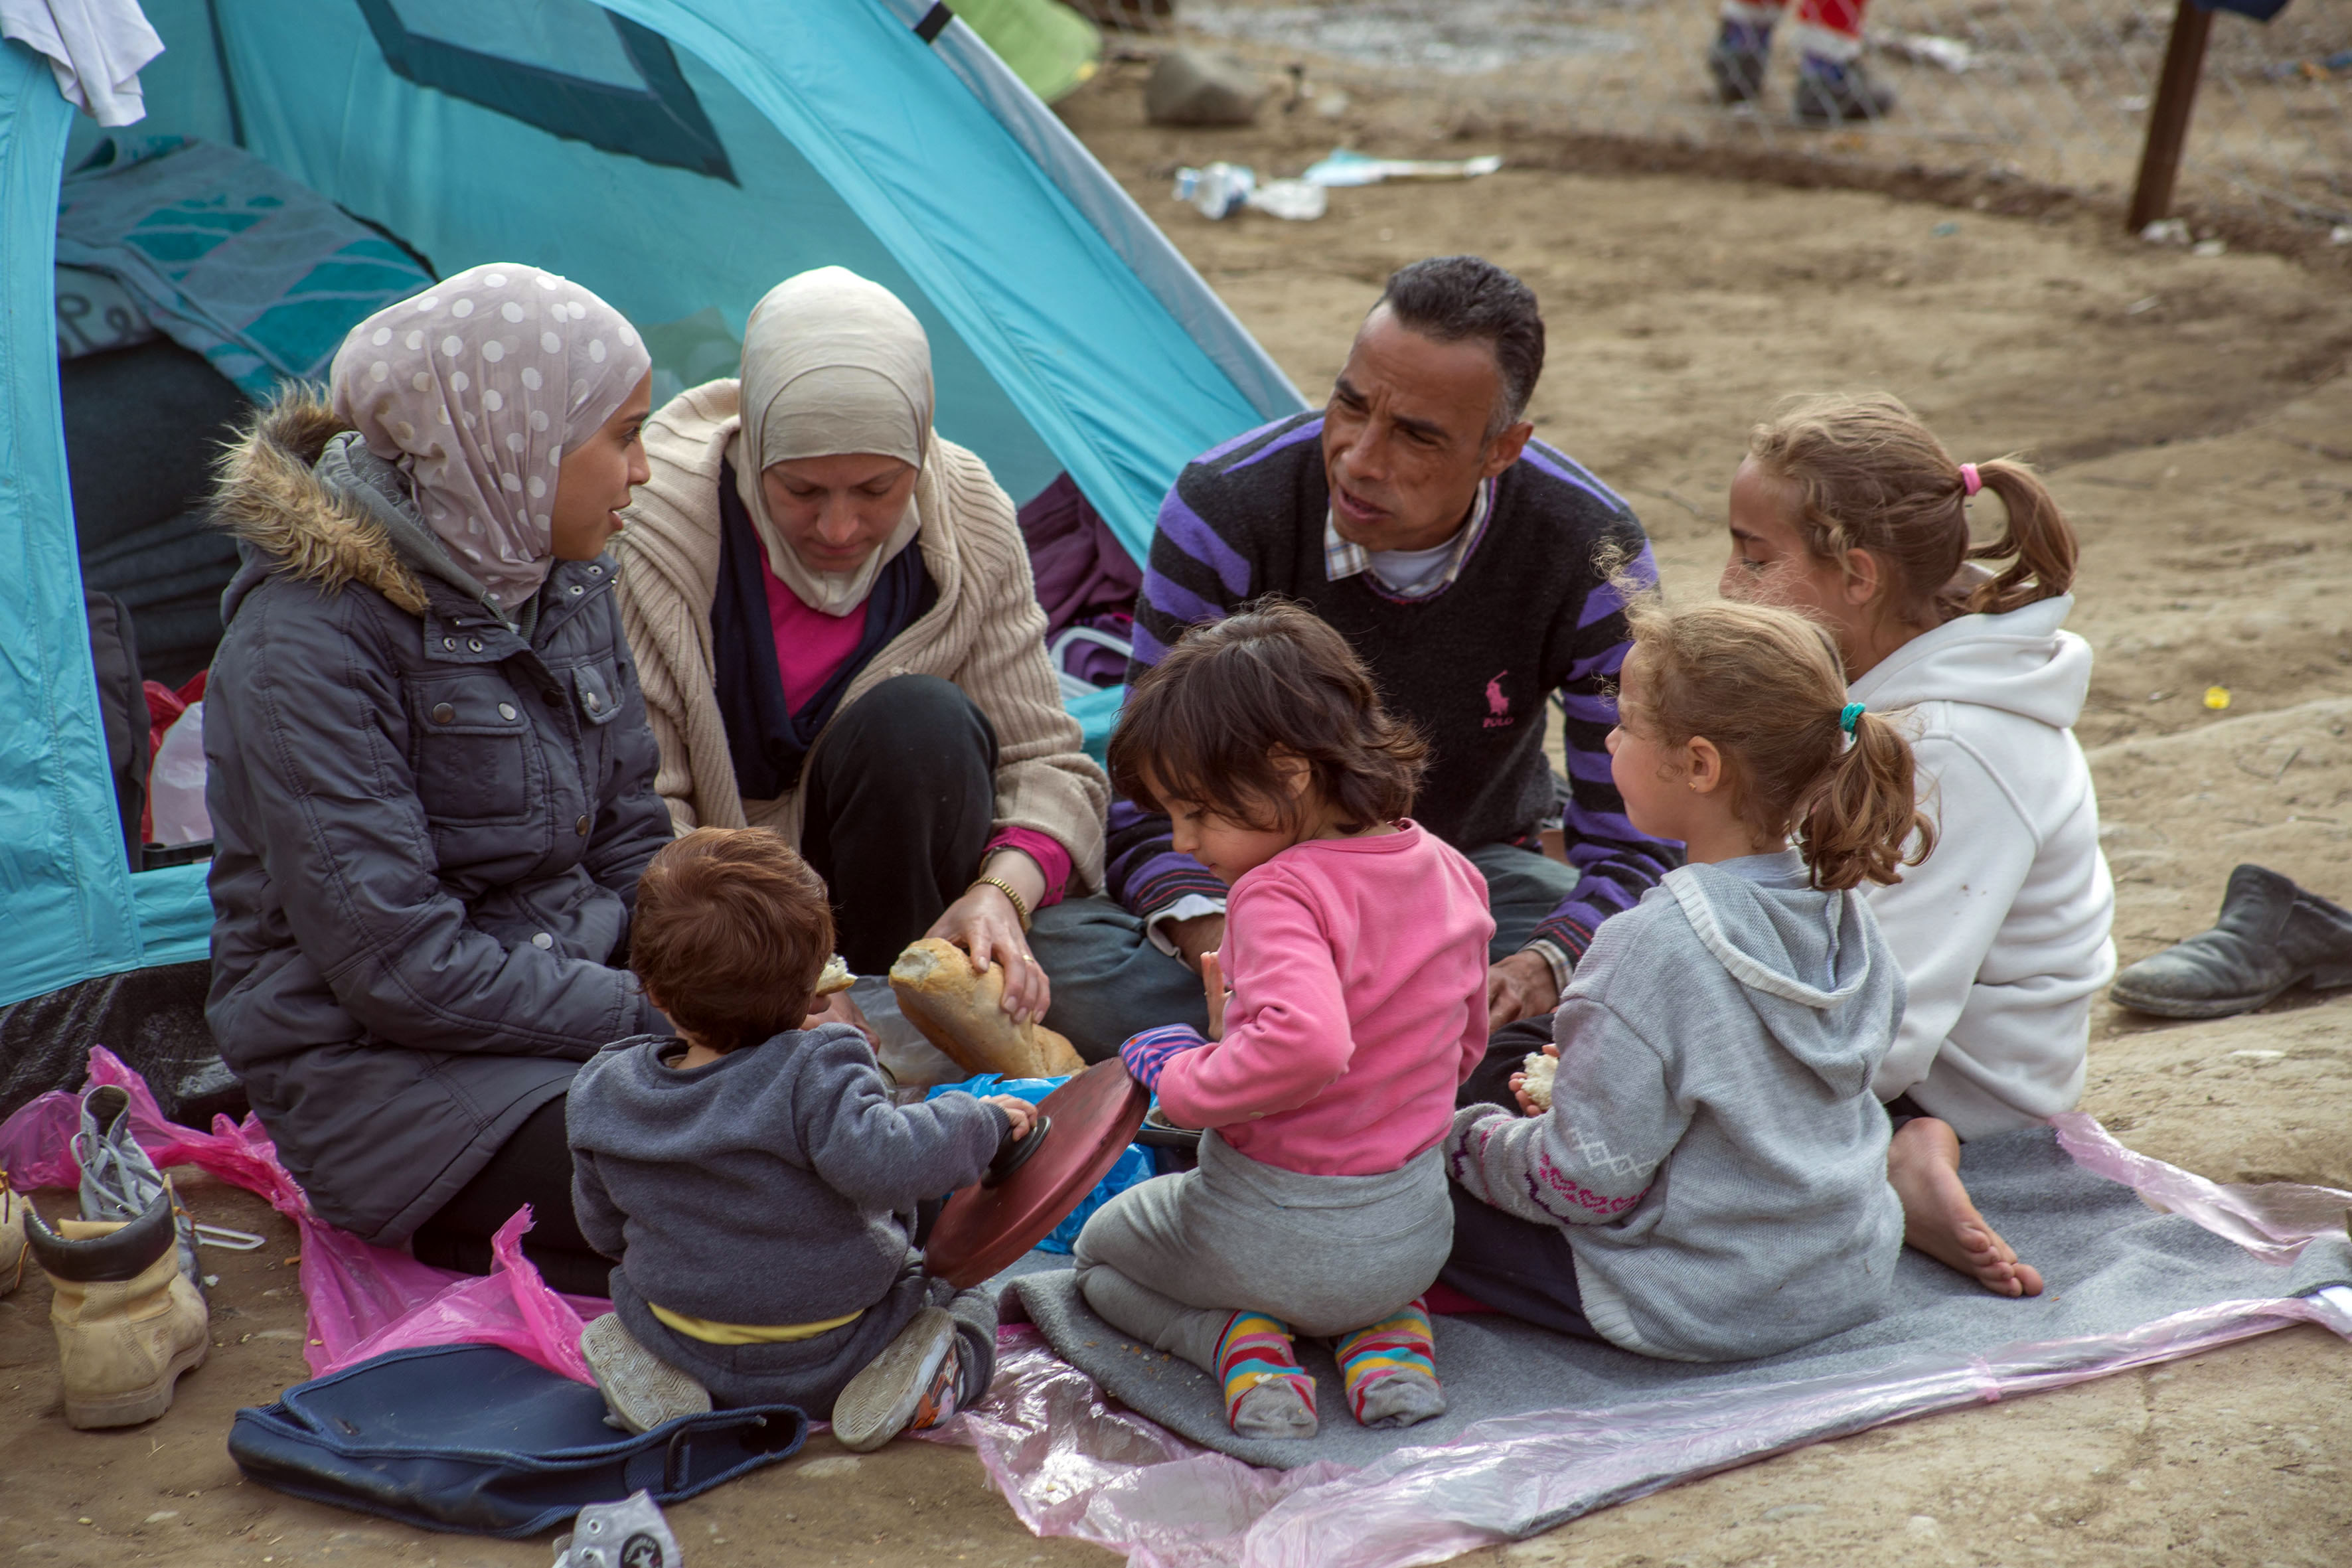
(1709, 1182)
(757, 1185)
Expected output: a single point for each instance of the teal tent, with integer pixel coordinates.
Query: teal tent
(678, 156)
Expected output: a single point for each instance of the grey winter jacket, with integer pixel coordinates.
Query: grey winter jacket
(1713, 1151)
(428, 829)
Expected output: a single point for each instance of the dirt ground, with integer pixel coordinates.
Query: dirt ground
(2192, 414)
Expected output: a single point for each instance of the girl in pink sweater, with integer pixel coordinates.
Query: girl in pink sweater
(1355, 951)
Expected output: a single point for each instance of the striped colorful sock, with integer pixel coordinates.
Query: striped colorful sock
(1256, 1352)
(1390, 1371)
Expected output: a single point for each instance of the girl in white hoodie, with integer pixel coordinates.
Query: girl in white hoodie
(1849, 510)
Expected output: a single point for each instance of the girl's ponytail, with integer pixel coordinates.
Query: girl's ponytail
(1863, 473)
(2038, 536)
(1865, 821)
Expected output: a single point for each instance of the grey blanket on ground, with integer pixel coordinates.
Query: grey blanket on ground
(2110, 1263)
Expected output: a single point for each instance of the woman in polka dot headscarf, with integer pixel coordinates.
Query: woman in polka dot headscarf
(475, 390)
(431, 777)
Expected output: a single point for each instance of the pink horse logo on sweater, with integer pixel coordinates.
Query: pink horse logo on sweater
(1498, 707)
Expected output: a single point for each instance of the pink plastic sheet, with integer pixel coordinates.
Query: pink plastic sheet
(2271, 1220)
(364, 1301)
(1071, 1463)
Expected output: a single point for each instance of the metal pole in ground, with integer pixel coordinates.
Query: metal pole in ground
(2168, 119)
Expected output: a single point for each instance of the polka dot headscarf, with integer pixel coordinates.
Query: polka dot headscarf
(475, 389)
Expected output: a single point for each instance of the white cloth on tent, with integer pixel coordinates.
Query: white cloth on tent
(475, 389)
(95, 49)
(832, 364)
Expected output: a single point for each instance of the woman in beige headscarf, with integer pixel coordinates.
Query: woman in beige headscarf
(838, 638)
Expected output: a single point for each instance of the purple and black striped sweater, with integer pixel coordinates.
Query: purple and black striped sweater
(1531, 613)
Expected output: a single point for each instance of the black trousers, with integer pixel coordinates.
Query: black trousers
(896, 803)
(1490, 1082)
(532, 1167)
(1517, 1267)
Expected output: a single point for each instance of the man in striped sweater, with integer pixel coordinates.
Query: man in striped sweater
(1470, 567)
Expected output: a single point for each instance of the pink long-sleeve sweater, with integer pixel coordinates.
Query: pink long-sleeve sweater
(1359, 974)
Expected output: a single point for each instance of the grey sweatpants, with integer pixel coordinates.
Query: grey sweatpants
(811, 1373)
(1169, 1261)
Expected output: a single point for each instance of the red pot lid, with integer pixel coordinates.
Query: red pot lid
(982, 1228)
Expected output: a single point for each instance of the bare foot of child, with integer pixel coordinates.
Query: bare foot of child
(1923, 1164)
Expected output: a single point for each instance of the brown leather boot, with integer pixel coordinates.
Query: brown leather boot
(12, 1236)
(128, 1321)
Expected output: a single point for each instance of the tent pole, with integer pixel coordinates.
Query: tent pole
(2167, 121)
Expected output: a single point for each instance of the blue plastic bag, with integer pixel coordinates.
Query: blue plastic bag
(1134, 1161)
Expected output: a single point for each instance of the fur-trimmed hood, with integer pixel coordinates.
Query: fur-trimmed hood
(269, 495)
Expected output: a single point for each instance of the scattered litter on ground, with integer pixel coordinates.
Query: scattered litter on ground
(2209, 248)
(2217, 697)
(1343, 167)
(1221, 188)
(1928, 49)
(2166, 231)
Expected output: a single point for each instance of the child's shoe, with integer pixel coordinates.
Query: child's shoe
(1737, 59)
(909, 1387)
(118, 1182)
(1268, 1394)
(1831, 91)
(12, 1236)
(640, 1389)
(128, 1322)
(1390, 1370)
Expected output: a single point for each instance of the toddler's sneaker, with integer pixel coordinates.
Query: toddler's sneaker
(640, 1389)
(909, 1387)
(1829, 92)
(118, 1182)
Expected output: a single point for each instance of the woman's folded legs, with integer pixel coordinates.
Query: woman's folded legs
(898, 801)
(535, 1168)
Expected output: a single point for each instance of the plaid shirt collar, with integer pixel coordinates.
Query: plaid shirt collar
(1342, 559)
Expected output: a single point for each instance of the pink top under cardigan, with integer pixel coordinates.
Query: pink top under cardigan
(811, 645)
(1359, 974)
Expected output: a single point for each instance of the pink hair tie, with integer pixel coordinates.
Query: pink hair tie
(1969, 483)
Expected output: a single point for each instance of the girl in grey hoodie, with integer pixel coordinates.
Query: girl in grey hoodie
(1709, 1182)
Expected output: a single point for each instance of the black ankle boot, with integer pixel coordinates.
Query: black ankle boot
(2269, 935)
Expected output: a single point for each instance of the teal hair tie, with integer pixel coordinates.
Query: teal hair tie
(1848, 716)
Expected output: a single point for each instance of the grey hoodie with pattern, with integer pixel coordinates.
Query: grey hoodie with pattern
(1713, 1151)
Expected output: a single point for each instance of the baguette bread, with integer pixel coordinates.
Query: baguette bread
(962, 1011)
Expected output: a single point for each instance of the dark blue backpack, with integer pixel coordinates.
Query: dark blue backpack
(474, 1438)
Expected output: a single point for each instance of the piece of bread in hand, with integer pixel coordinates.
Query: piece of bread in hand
(834, 977)
(1541, 1068)
(962, 1011)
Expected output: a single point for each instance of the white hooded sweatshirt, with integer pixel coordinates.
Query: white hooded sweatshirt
(2004, 934)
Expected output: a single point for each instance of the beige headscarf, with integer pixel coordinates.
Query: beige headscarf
(832, 364)
(475, 389)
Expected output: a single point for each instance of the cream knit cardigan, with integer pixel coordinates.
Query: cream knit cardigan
(986, 634)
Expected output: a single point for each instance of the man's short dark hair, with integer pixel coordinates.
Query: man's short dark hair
(1454, 298)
